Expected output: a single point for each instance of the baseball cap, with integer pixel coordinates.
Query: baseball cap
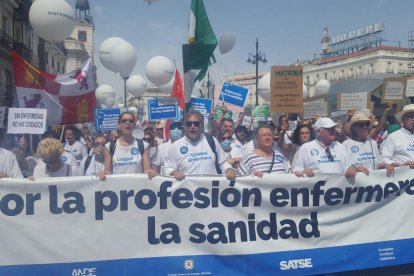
(324, 123)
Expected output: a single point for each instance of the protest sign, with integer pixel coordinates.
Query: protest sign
(204, 106)
(409, 89)
(158, 112)
(2, 115)
(286, 89)
(234, 96)
(357, 100)
(218, 110)
(312, 108)
(107, 118)
(206, 225)
(393, 90)
(26, 120)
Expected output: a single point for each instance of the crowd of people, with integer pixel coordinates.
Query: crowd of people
(361, 144)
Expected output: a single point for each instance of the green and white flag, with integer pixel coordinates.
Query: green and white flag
(198, 54)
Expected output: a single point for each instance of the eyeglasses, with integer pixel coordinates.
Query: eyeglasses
(148, 139)
(226, 138)
(176, 126)
(189, 123)
(131, 121)
(329, 154)
(97, 144)
(364, 125)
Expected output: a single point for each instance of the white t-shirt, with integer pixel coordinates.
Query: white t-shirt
(313, 156)
(41, 171)
(236, 149)
(77, 150)
(127, 159)
(93, 169)
(162, 153)
(194, 158)
(398, 147)
(9, 165)
(362, 153)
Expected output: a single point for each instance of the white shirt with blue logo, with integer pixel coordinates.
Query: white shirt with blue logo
(364, 154)
(313, 156)
(77, 150)
(195, 158)
(398, 147)
(127, 159)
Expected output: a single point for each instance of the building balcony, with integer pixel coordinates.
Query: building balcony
(23, 50)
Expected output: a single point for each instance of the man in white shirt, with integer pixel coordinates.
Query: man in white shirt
(398, 148)
(8, 165)
(324, 154)
(193, 155)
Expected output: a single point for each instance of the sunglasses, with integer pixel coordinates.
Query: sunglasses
(131, 121)
(226, 138)
(97, 144)
(364, 125)
(409, 116)
(189, 124)
(148, 140)
(329, 154)
(176, 126)
(160, 128)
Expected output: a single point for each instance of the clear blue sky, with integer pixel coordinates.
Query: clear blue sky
(286, 29)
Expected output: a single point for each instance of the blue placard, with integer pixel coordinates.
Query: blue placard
(107, 119)
(160, 112)
(234, 94)
(202, 105)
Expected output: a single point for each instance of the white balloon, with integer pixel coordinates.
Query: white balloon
(103, 92)
(226, 43)
(263, 87)
(105, 52)
(159, 70)
(124, 57)
(168, 87)
(52, 19)
(305, 91)
(110, 101)
(322, 87)
(136, 85)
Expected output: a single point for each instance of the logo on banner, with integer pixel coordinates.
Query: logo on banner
(183, 150)
(295, 264)
(134, 151)
(354, 149)
(279, 158)
(188, 264)
(314, 152)
(84, 271)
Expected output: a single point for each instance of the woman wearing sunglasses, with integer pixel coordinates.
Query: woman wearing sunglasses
(99, 163)
(362, 151)
(129, 155)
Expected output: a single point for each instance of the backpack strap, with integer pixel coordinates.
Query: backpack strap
(141, 146)
(87, 163)
(212, 144)
(112, 145)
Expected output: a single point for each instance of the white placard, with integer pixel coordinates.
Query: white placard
(27, 120)
(409, 89)
(2, 115)
(351, 101)
(310, 109)
(393, 90)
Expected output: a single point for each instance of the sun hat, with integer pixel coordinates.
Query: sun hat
(359, 117)
(406, 109)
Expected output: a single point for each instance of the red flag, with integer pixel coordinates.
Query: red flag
(68, 98)
(178, 90)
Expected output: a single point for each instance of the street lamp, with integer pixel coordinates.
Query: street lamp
(209, 84)
(255, 59)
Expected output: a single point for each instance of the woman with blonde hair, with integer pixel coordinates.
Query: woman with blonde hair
(49, 151)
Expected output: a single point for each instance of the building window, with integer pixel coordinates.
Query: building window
(5, 88)
(82, 36)
(53, 62)
(46, 58)
(307, 80)
(58, 67)
(326, 76)
(371, 68)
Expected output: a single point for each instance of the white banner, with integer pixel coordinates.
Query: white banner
(206, 225)
(27, 120)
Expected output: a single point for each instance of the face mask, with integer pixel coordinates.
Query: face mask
(226, 144)
(175, 134)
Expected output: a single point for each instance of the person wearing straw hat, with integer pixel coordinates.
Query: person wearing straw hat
(398, 148)
(362, 151)
(324, 154)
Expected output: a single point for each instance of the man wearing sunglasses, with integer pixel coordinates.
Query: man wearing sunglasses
(398, 148)
(176, 132)
(194, 155)
(324, 154)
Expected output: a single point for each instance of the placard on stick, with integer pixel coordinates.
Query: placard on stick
(286, 89)
(357, 100)
(393, 90)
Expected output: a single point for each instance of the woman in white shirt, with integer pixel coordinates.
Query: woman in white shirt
(99, 163)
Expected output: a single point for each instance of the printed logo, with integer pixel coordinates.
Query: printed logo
(63, 158)
(188, 264)
(314, 152)
(295, 264)
(84, 271)
(354, 149)
(279, 158)
(134, 151)
(183, 150)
